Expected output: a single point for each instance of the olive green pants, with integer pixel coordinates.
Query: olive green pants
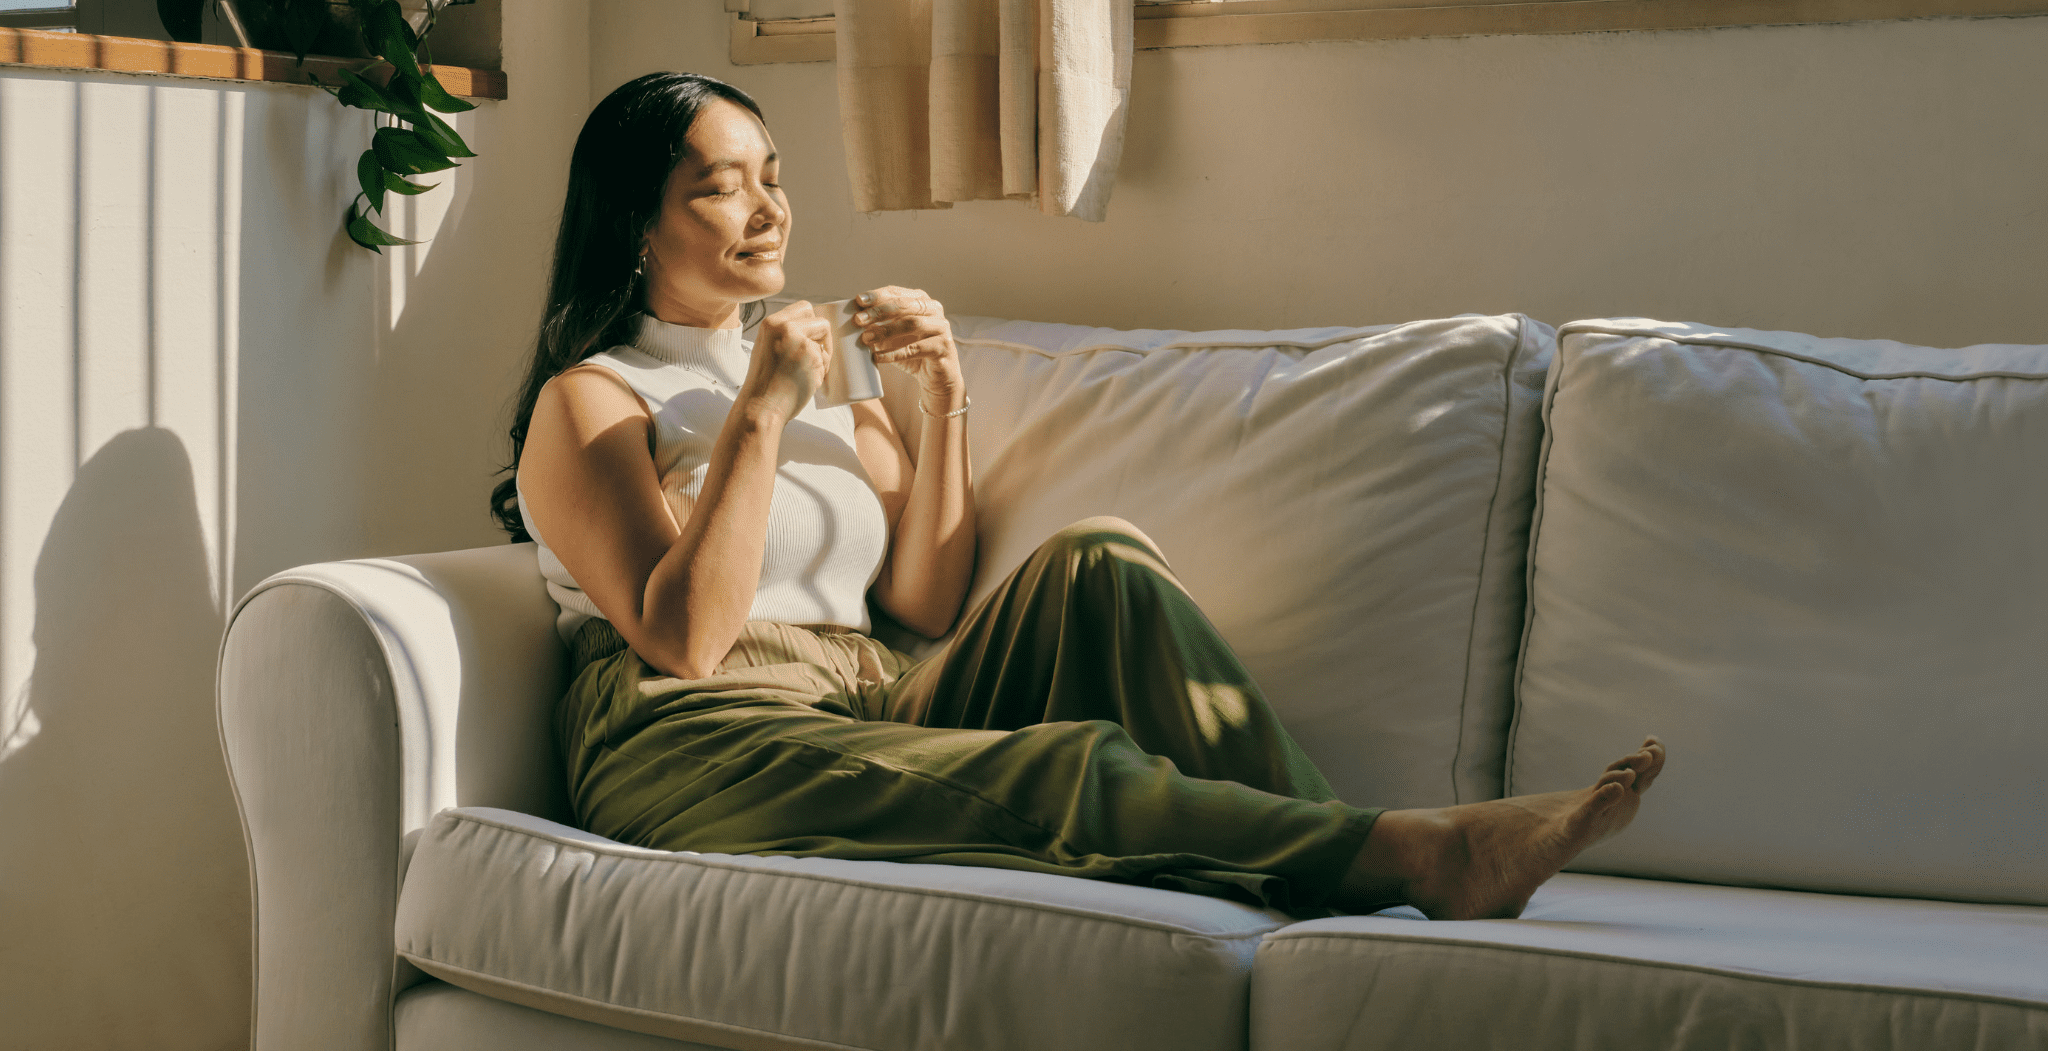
(1086, 720)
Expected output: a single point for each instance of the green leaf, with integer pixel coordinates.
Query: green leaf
(304, 21)
(389, 36)
(401, 184)
(436, 96)
(363, 93)
(405, 152)
(364, 232)
(435, 130)
(370, 175)
(431, 128)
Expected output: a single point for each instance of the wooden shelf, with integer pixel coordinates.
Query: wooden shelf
(119, 54)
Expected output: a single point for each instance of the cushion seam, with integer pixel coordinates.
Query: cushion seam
(1552, 381)
(1479, 574)
(695, 859)
(649, 1013)
(1282, 939)
(1736, 344)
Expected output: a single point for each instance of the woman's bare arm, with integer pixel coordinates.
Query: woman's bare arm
(677, 593)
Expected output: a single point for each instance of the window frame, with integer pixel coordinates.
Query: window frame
(1207, 24)
(44, 49)
(47, 19)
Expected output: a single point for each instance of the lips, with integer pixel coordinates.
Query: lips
(771, 252)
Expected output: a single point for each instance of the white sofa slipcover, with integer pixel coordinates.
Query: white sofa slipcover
(385, 722)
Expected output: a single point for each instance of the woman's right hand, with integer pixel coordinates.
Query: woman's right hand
(789, 359)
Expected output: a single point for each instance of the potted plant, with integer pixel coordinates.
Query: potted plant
(412, 139)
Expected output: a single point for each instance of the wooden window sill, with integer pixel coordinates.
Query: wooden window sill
(117, 54)
(1166, 25)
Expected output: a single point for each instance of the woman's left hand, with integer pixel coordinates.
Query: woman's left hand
(908, 329)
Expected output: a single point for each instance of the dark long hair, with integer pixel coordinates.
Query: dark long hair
(629, 145)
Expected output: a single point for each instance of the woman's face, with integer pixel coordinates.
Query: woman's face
(724, 223)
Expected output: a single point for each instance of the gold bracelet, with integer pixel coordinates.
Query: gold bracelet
(943, 415)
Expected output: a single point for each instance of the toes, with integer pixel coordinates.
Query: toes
(1617, 775)
(1653, 765)
(1585, 823)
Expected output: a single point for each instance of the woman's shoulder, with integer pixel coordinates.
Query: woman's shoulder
(624, 365)
(595, 383)
(621, 360)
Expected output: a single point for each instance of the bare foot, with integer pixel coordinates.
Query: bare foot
(1484, 860)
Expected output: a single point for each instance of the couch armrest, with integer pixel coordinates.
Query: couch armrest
(356, 700)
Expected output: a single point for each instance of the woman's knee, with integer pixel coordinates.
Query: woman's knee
(1101, 531)
(1101, 550)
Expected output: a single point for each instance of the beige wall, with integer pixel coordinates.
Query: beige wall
(247, 391)
(1877, 180)
(201, 382)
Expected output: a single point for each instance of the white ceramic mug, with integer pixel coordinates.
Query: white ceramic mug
(851, 375)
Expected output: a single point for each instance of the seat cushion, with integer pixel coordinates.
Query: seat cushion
(1817, 568)
(1603, 963)
(436, 1016)
(1350, 507)
(766, 952)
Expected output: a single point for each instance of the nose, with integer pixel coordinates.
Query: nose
(770, 213)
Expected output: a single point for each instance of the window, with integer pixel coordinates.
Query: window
(801, 30)
(60, 15)
(128, 18)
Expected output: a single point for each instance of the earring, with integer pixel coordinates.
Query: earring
(640, 265)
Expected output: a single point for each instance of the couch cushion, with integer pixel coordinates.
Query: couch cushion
(1600, 962)
(775, 952)
(1348, 505)
(436, 1016)
(1817, 568)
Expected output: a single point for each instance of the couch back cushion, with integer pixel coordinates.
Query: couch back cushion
(1818, 569)
(1349, 507)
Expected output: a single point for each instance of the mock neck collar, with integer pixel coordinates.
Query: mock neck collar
(684, 345)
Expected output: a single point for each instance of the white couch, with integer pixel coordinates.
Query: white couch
(1462, 556)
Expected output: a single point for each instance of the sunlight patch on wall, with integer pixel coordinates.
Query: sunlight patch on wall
(18, 723)
(119, 250)
(38, 444)
(421, 218)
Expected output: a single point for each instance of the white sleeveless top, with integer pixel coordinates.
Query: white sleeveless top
(826, 531)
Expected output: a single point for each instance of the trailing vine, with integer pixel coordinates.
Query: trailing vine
(417, 142)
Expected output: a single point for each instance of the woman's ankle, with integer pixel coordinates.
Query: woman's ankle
(1396, 852)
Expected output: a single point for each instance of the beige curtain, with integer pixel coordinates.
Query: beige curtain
(975, 100)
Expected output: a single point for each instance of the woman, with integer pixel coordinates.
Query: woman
(713, 539)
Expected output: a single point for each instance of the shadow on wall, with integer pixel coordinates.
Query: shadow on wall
(122, 687)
